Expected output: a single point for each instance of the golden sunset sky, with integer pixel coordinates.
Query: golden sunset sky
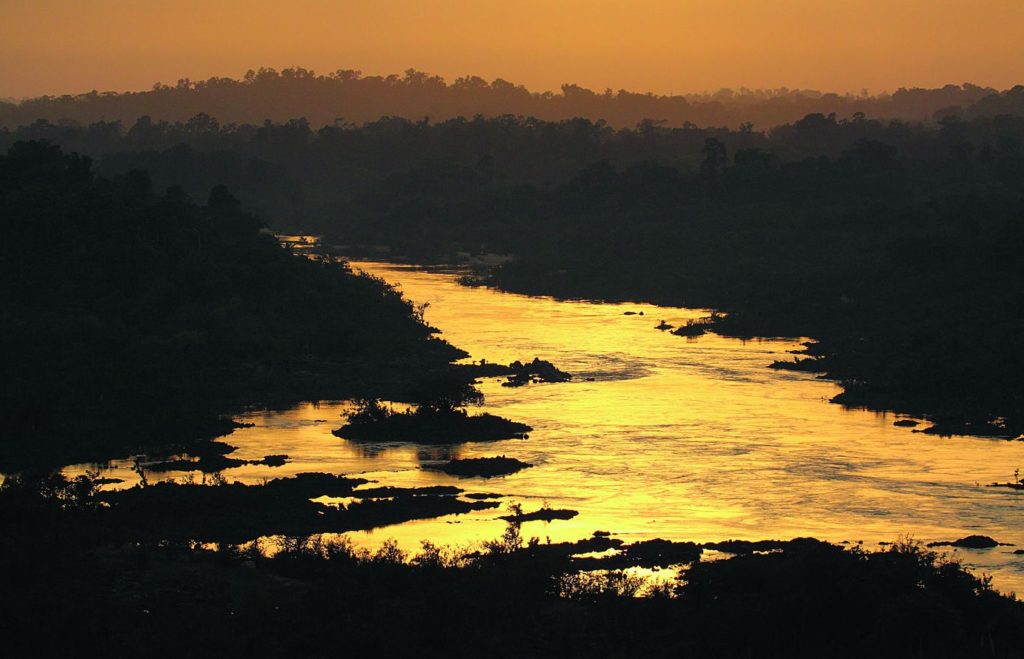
(71, 46)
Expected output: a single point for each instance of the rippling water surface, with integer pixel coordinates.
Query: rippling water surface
(661, 436)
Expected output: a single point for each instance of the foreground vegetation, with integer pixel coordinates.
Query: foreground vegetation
(83, 578)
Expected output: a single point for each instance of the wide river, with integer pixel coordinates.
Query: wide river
(661, 436)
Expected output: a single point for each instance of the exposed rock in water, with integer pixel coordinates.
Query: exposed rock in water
(1016, 485)
(906, 423)
(807, 365)
(740, 547)
(693, 328)
(390, 492)
(536, 371)
(969, 542)
(520, 373)
(543, 514)
(973, 427)
(496, 466)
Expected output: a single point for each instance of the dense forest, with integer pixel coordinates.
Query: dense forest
(349, 96)
(895, 244)
(131, 318)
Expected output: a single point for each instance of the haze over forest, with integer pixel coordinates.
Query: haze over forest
(347, 97)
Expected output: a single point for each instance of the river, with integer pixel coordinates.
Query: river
(662, 436)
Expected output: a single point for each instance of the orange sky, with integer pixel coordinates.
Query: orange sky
(66, 46)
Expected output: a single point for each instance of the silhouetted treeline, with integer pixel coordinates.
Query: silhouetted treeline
(303, 178)
(299, 177)
(129, 317)
(348, 96)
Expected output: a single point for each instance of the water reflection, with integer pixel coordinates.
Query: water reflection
(660, 436)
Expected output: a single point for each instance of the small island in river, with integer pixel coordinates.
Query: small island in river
(484, 467)
(375, 422)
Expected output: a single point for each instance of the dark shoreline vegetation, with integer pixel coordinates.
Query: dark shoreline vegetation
(92, 571)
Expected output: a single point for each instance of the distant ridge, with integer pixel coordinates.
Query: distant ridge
(346, 96)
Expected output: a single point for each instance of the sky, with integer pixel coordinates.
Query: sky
(664, 46)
